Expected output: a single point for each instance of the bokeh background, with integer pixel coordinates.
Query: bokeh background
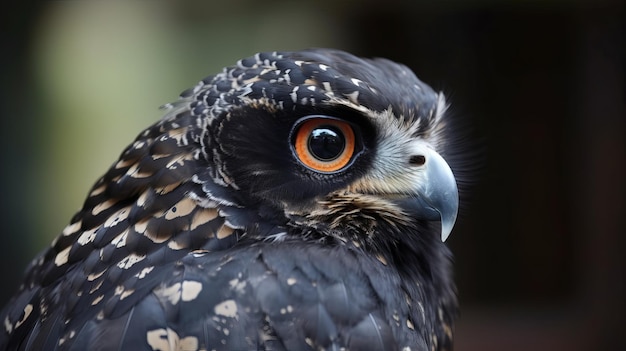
(540, 245)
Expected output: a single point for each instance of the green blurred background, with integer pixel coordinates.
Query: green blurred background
(539, 246)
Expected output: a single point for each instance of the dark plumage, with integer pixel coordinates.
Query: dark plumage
(294, 201)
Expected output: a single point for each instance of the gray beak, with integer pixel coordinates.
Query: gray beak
(438, 196)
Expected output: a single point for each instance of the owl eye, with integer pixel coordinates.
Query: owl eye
(324, 144)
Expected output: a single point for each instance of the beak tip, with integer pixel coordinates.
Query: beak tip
(446, 229)
(449, 215)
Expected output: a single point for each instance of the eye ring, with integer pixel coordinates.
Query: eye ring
(324, 144)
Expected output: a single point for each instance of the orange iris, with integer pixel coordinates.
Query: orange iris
(324, 144)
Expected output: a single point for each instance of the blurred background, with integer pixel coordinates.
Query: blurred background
(540, 244)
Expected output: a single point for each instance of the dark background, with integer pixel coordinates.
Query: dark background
(539, 245)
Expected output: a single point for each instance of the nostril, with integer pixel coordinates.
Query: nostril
(417, 160)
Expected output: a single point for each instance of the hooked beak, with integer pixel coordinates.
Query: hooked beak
(437, 195)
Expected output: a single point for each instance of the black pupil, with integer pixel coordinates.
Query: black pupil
(326, 143)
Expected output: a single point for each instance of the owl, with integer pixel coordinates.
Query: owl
(293, 201)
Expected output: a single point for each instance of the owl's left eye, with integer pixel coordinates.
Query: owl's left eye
(324, 144)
